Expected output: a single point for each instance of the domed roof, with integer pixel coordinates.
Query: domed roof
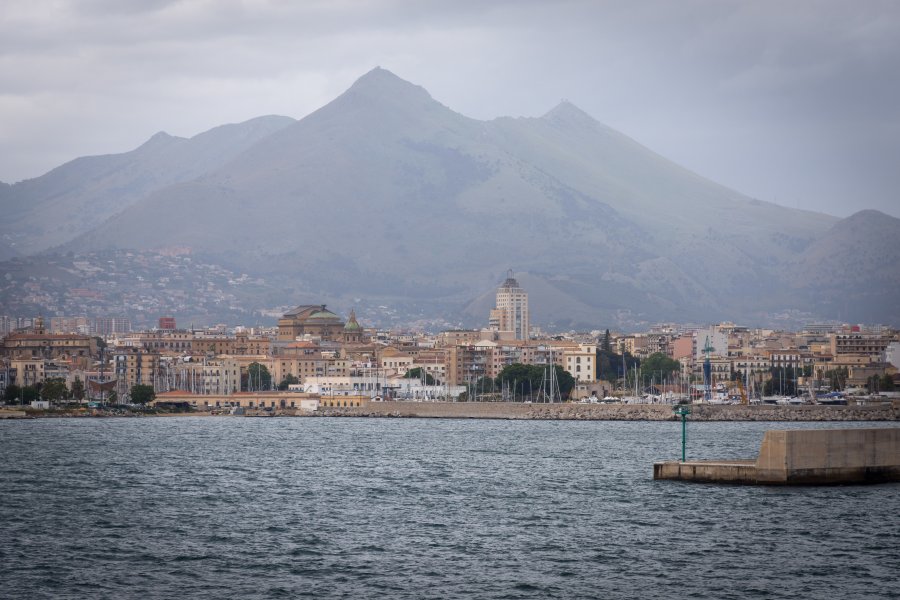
(352, 324)
(324, 315)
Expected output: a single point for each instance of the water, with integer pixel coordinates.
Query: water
(408, 508)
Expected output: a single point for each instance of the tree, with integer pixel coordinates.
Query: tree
(522, 381)
(78, 389)
(525, 381)
(887, 383)
(416, 373)
(258, 378)
(837, 377)
(565, 381)
(54, 389)
(11, 393)
(658, 366)
(610, 364)
(288, 380)
(29, 394)
(142, 394)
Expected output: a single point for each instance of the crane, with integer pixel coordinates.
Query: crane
(707, 370)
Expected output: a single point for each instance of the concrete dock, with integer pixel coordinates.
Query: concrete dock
(802, 457)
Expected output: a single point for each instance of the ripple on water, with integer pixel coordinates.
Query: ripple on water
(253, 508)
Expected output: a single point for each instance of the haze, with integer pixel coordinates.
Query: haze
(796, 103)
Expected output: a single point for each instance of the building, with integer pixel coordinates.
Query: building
(469, 363)
(511, 311)
(353, 331)
(859, 343)
(135, 366)
(167, 323)
(106, 326)
(892, 354)
(80, 325)
(37, 343)
(581, 363)
(312, 320)
(241, 344)
(27, 371)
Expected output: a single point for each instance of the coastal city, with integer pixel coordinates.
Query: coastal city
(315, 359)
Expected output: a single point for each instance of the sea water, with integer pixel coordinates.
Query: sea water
(420, 508)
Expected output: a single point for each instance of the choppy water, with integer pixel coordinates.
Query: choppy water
(363, 508)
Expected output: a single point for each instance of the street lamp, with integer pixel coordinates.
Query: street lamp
(683, 411)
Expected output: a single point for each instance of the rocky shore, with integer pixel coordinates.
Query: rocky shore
(509, 410)
(616, 412)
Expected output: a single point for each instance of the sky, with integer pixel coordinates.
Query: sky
(793, 102)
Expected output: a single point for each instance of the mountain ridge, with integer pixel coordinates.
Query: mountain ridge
(385, 193)
(47, 211)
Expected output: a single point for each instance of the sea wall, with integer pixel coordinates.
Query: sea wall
(615, 412)
(829, 455)
(802, 457)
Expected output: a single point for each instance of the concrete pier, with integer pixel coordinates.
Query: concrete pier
(802, 457)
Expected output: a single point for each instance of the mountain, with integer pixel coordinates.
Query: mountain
(853, 269)
(54, 208)
(385, 194)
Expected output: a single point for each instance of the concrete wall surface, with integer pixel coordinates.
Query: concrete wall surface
(829, 455)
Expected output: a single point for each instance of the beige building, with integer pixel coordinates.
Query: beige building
(511, 311)
(27, 371)
(312, 320)
(308, 367)
(239, 345)
(37, 343)
(135, 366)
(581, 364)
(393, 359)
(859, 343)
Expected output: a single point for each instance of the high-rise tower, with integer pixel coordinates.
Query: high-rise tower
(511, 312)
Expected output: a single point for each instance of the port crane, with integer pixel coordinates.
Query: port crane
(707, 370)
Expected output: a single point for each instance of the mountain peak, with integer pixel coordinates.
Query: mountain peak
(382, 83)
(868, 214)
(158, 140)
(566, 112)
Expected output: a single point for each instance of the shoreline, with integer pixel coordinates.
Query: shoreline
(543, 412)
(616, 412)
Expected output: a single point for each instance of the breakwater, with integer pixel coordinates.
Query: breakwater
(801, 457)
(615, 412)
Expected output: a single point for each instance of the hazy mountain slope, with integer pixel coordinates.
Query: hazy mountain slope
(853, 270)
(75, 197)
(386, 178)
(6, 251)
(386, 193)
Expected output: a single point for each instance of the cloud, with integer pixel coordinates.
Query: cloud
(794, 102)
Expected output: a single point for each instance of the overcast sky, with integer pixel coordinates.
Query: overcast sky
(792, 102)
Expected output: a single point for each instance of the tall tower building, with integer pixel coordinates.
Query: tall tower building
(511, 312)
